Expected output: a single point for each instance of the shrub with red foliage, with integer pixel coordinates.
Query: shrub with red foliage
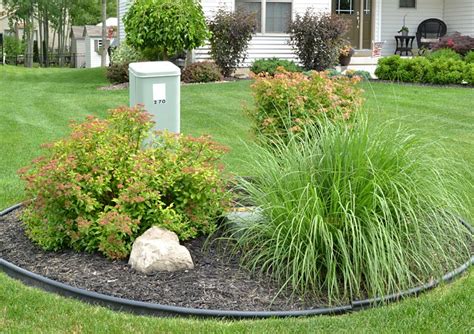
(462, 44)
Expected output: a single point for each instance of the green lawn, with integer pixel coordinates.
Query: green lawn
(36, 106)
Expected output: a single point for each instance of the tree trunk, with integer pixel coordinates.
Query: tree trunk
(46, 39)
(41, 35)
(103, 58)
(29, 32)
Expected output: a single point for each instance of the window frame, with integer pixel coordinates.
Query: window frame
(263, 18)
(406, 7)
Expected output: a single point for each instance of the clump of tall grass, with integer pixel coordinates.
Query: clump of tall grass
(353, 213)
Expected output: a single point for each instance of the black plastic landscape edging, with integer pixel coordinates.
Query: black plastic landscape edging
(145, 308)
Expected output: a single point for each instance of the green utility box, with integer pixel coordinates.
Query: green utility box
(156, 85)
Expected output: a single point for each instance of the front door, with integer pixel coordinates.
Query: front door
(359, 15)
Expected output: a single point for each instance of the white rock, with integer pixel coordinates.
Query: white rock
(159, 250)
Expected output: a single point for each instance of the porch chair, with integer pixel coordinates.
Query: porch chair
(429, 31)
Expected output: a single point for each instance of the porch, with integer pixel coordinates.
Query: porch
(381, 20)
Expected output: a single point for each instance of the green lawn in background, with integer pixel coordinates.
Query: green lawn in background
(37, 104)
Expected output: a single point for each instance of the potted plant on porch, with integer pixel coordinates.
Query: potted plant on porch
(404, 31)
(345, 54)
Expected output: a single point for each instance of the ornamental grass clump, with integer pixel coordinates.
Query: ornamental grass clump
(353, 214)
(287, 102)
(101, 187)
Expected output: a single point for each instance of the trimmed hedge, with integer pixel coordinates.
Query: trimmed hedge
(437, 70)
(270, 66)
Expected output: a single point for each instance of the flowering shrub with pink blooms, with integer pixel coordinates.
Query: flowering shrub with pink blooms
(101, 187)
(290, 101)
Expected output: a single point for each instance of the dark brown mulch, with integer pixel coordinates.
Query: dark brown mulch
(215, 283)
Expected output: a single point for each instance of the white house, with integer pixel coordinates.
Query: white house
(371, 20)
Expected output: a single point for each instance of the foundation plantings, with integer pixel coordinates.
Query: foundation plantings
(102, 187)
(356, 213)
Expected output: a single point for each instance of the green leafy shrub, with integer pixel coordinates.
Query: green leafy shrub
(125, 53)
(444, 53)
(446, 71)
(270, 66)
(121, 57)
(13, 47)
(387, 67)
(162, 28)
(201, 72)
(231, 32)
(291, 101)
(97, 190)
(469, 57)
(469, 74)
(438, 70)
(317, 39)
(417, 69)
(354, 213)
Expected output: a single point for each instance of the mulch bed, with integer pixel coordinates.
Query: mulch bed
(215, 283)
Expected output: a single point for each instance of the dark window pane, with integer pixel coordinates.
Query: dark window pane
(251, 7)
(407, 3)
(344, 6)
(278, 17)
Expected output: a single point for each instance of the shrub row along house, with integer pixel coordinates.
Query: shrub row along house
(370, 20)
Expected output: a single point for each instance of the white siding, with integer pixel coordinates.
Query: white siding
(124, 5)
(392, 19)
(261, 45)
(210, 7)
(300, 6)
(459, 16)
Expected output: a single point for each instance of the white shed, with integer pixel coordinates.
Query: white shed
(93, 44)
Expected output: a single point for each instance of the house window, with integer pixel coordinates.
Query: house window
(344, 7)
(407, 3)
(275, 13)
(254, 7)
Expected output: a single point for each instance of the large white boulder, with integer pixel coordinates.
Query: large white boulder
(159, 250)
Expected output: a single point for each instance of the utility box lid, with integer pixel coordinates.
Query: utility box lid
(154, 69)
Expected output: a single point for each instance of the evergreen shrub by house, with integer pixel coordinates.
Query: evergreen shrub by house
(99, 189)
(469, 57)
(437, 70)
(289, 101)
(270, 66)
(444, 53)
(359, 212)
(205, 71)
